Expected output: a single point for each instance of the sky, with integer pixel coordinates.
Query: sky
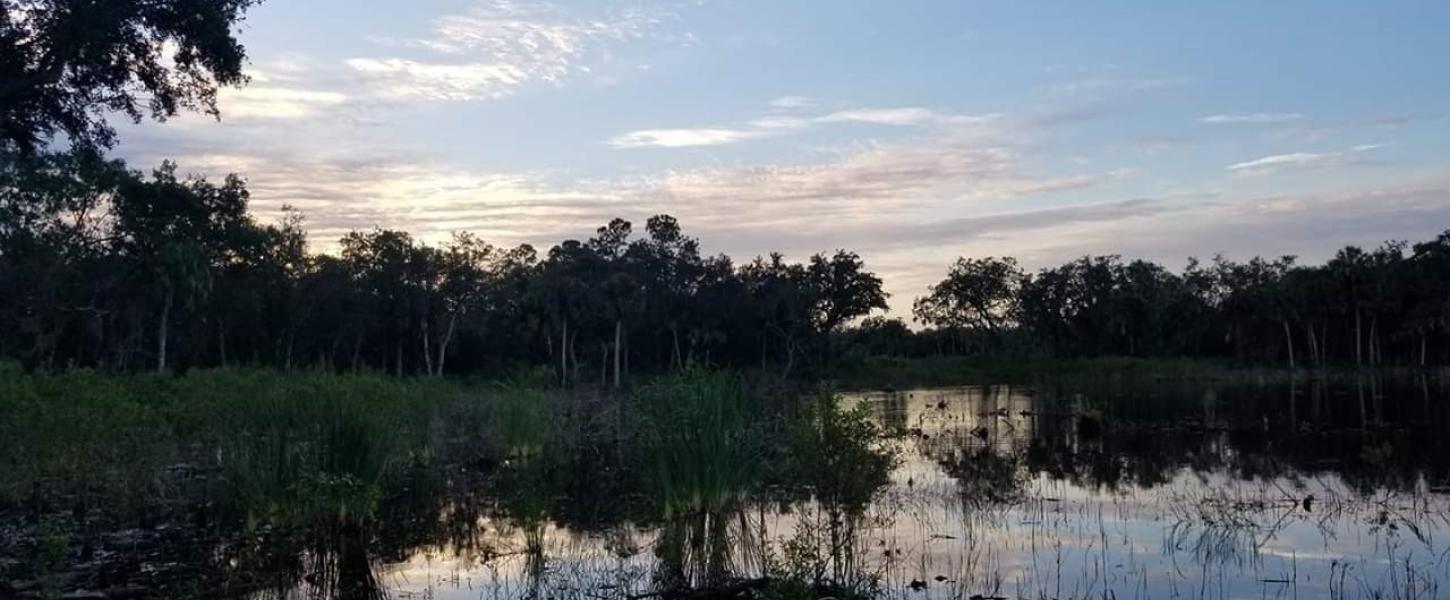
(910, 132)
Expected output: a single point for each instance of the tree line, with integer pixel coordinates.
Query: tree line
(102, 266)
(107, 267)
(1385, 306)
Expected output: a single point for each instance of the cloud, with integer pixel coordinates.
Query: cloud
(398, 78)
(1279, 161)
(1100, 85)
(1299, 160)
(776, 205)
(495, 48)
(1254, 118)
(680, 138)
(788, 102)
(910, 116)
(255, 102)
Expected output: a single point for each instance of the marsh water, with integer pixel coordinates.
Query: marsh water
(1163, 490)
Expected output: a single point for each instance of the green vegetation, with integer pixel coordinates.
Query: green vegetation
(300, 473)
(103, 436)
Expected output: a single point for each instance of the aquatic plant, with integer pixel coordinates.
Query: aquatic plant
(696, 447)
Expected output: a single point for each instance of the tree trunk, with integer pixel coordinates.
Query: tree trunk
(1374, 342)
(1289, 340)
(763, 339)
(564, 355)
(1314, 354)
(398, 347)
(427, 352)
(1358, 340)
(618, 341)
(789, 358)
(443, 345)
(357, 353)
(287, 361)
(675, 335)
(573, 356)
(1422, 350)
(221, 332)
(162, 330)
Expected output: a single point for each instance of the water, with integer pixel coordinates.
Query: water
(1109, 490)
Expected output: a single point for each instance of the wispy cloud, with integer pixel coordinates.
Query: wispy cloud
(1278, 161)
(910, 116)
(789, 102)
(681, 138)
(277, 102)
(1252, 118)
(399, 78)
(497, 47)
(906, 116)
(1116, 84)
(1299, 160)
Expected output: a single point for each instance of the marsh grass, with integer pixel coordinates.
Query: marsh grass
(697, 444)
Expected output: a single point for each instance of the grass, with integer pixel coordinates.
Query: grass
(300, 474)
(697, 442)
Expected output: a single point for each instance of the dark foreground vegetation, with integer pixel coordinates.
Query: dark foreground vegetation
(104, 267)
(227, 483)
(234, 483)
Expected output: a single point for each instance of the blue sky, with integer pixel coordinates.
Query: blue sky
(912, 132)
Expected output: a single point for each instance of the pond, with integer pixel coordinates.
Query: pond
(1285, 489)
(704, 486)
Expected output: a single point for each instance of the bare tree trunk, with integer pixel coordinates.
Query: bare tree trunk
(1358, 340)
(1289, 340)
(763, 339)
(1422, 349)
(1313, 345)
(675, 335)
(162, 331)
(564, 355)
(398, 346)
(618, 340)
(603, 365)
(1374, 341)
(357, 352)
(573, 355)
(447, 339)
(287, 361)
(221, 332)
(789, 358)
(427, 352)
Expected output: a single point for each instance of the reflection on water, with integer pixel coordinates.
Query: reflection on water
(1285, 489)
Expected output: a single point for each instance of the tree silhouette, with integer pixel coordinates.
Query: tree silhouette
(65, 64)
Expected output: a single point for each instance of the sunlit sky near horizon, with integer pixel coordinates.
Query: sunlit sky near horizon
(911, 132)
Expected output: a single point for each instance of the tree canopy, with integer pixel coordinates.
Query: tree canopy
(107, 267)
(65, 65)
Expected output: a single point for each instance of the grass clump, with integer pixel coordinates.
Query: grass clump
(699, 451)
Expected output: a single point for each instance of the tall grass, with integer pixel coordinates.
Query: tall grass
(123, 438)
(697, 450)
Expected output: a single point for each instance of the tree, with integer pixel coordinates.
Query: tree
(843, 290)
(177, 230)
(65, 64)
(977, 295)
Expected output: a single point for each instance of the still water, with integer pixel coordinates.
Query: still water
(1165, 490)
